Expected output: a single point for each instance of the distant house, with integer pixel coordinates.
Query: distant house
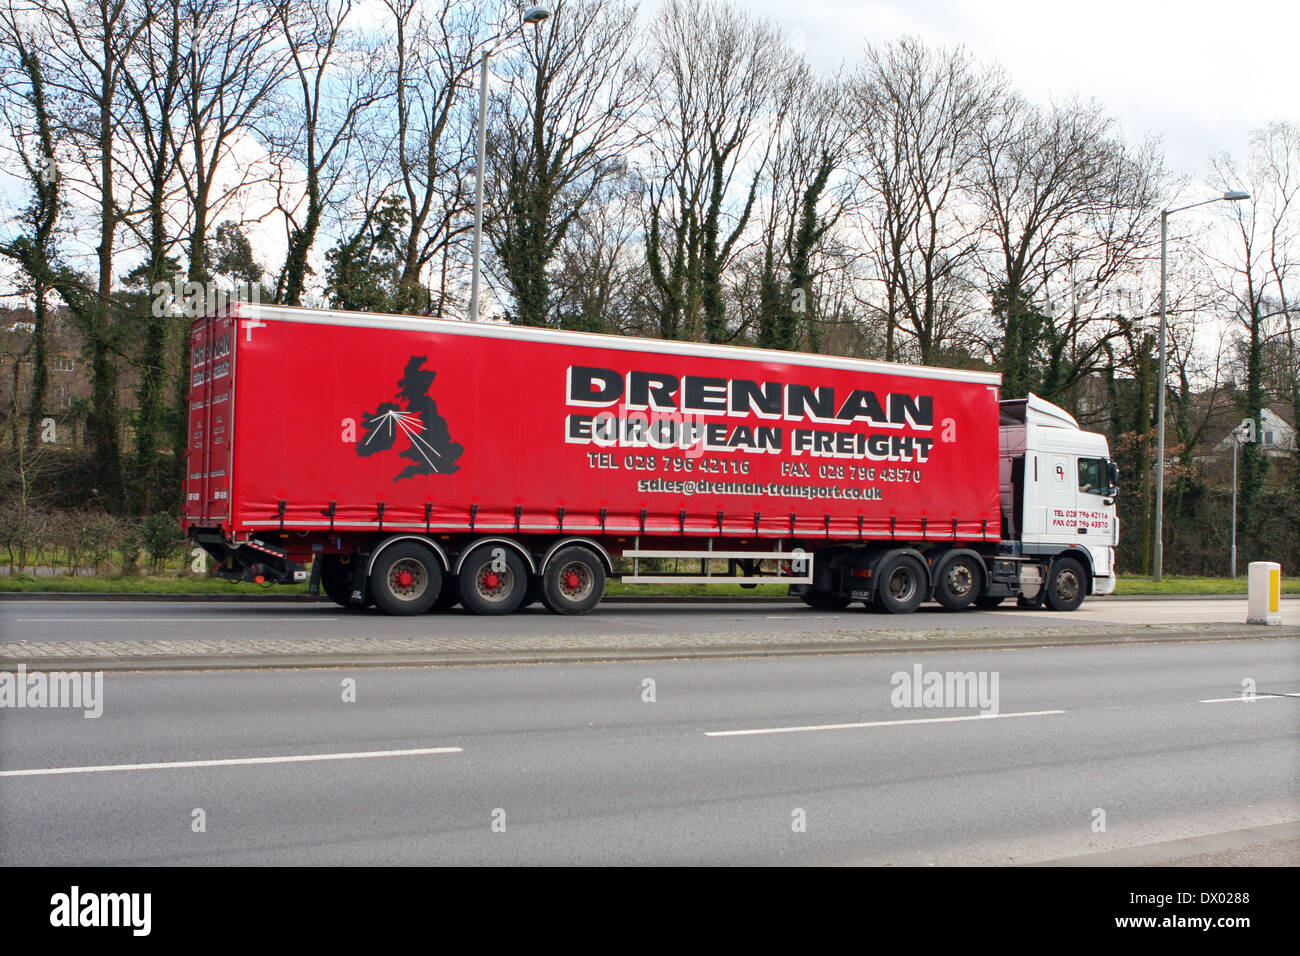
(68, 386)
(1276, 435)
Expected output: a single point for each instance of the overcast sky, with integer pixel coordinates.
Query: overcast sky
(1200, 75)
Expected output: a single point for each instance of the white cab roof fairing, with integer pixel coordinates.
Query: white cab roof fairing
(1050, 428)
(1039, 411)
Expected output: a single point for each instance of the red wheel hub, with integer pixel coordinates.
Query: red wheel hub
(404, 578)
(571, 580)
(491, 580)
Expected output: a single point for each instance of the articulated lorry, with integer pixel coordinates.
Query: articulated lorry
(413, 464)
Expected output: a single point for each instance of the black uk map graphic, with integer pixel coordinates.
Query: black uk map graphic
(431, 449)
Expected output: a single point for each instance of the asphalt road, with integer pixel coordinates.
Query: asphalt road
(71, 620)
(575, 766)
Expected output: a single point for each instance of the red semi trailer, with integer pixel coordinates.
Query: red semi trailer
(416, 463)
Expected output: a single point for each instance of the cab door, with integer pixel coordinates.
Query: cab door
(1077, 509)
(1095, 521)
(1061, 500)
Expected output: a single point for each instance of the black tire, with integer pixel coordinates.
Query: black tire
(493, 579)
(573, 581)
(448, 594)
(959, 582)
(900, 584)
(1067, 585)
(824, 600)
(987, 602)
(336, 581)
(405, 578)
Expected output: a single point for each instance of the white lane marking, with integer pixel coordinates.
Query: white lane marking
(1228, 700)
(161, 620)
(873, 723)
(228, 762)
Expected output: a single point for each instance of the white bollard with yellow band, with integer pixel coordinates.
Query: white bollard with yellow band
(1264, 599)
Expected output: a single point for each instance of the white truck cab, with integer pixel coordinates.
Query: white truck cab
(1058, 488)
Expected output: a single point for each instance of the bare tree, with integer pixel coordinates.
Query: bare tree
(337, 76)
(599, 282)
(714, 104)
(1277, 147)
(920, 114)
(231, 68)
(562, 130)
(1064, 200)
(153, 90)
(90, 44)
(1255, 276)
(808, 193)
(233, 65)
(435, 50)
(25, 109)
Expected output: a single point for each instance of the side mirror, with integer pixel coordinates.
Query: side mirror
(1112, 476)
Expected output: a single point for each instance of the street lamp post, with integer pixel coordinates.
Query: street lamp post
(531, 15)
(1158, 563)
(1236, 435)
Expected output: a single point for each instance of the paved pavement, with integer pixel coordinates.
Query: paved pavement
(192, 635)
(802, 760)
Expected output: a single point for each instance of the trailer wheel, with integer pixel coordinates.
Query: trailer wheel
(336, 581)
(405, 579)
(573, 581)
(825, 600)
(448, 595)
(959, 583)
(493, 580)
(1066, 584)
(900, 586)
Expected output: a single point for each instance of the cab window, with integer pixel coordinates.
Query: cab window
(1092, 476)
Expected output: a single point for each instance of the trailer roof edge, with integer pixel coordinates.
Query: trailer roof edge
(284, 313)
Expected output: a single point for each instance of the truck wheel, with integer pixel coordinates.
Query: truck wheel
(493, 580)
(1066, 584)
(405, 579)
(901, 584)
(825, 601)
(573, 581)
(987, 602)
(448, 595)
(959, 583)
(336, 582)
